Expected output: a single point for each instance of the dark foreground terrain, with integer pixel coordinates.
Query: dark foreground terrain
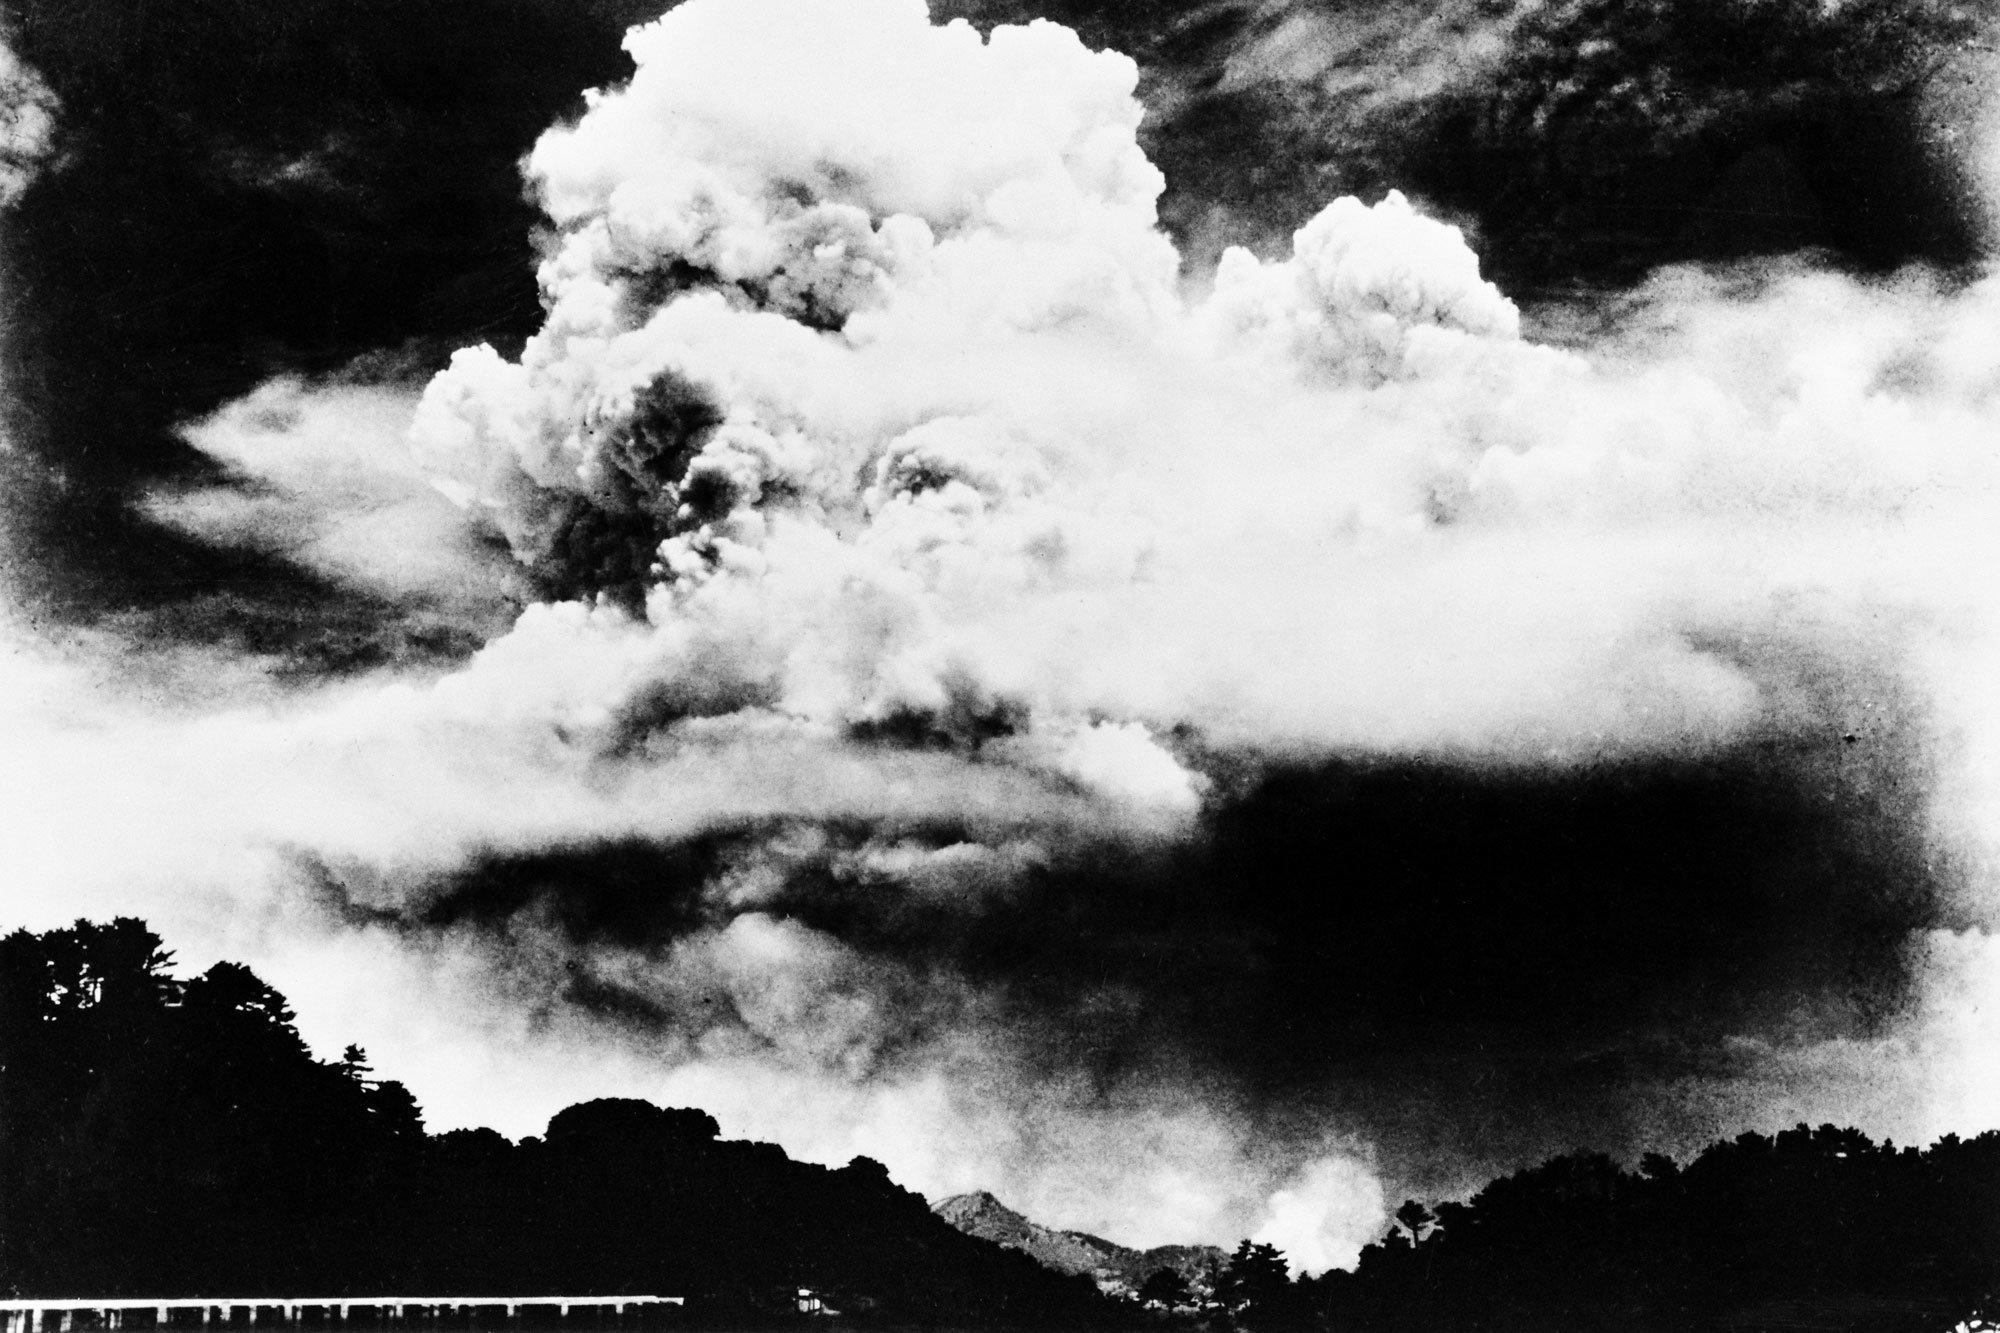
(177, 1138)
(167, 1137)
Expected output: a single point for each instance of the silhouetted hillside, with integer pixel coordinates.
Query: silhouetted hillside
(172, 1137)
(169, 1137)
(1813, 1229)
(1114, 1267)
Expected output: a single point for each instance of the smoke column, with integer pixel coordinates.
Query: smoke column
(1200, 758)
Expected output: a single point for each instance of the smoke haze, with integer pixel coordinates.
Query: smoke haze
(896, 652)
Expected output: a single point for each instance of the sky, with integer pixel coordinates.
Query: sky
(1204, 616)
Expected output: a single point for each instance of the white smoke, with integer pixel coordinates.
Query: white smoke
(996, 463)
(28, 111)
(1316, 1216)
(881, 474)
(895, 374)
(902, 429)
(334, 488)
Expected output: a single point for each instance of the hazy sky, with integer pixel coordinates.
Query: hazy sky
(1203, 641)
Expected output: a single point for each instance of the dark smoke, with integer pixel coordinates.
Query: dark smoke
(1469, 966)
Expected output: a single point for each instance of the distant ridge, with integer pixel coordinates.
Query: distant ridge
(1114, 1267)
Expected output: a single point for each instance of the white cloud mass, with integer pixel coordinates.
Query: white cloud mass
(886, 474)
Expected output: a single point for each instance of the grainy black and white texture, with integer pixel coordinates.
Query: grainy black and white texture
(1204, 640)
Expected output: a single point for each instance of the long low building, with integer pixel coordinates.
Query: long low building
(34, 1315)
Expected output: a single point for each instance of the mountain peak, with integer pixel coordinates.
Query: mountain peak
(979, 1213)
(1112, 1266)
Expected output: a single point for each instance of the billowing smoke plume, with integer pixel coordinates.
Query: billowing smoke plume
(1194, 763)
(27, 124)
(875, 420)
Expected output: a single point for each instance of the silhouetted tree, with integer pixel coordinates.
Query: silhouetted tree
(1415, 1219)
(1255, 1288)
(1166, 1287)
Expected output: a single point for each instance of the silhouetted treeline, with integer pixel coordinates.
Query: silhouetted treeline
(1819, 1227)
(1815, 1229)
(169, 1137)
(161, 1136)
